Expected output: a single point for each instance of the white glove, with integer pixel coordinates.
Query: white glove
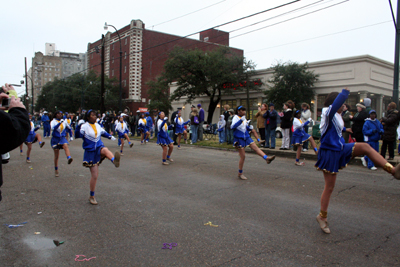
(165, 118)
(61, 120)
(249, 121)
(251, 127)
(81, 122)
(243, 118)
(310, 120)
(113, 138)
(172, 125)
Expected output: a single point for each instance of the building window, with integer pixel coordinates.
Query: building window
(113, 47)
(45, 68)
(126, 41)
(49, 79)
(112, 73)
(125, 69)
(125, 53)
(112, 59)
(45, 63)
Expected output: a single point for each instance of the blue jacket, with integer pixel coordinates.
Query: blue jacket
(271, 116)
(372, 130)
(241, 128)
(45, 119)
(201, 115)
(149, 122)
(91, 138)
(332, 125)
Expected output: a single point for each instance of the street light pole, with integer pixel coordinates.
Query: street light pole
(120, 65)
(27, 76)
(396, 55)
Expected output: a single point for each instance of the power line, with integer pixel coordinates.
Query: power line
(188, 13)
(321, 36)
(314, 11)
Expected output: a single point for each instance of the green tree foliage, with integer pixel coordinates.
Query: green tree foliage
(78, 91)
(291, 81)
(159, 95)
(197, 73)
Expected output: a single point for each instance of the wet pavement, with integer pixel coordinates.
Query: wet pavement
(145, 208)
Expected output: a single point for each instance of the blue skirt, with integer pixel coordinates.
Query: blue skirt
(164, 141)
(179, 130)
(92, 158)
(58, 142)
(31, 139)
(299, 140)
(121, 135)
(241, 142)
(332, 161)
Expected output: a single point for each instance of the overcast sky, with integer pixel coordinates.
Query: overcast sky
(341, 31)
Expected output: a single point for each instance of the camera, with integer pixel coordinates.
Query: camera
(5, 102)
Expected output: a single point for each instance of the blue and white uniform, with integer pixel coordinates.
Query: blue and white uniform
(58, 133)
(32, 134)
(241, 136)
(69, 130)
(334, 153)
(163, 138)
(91, 134)
(299, 135)
(149, 123)
(122, 129)
(142, 125)
(179, 125)
(372, 130)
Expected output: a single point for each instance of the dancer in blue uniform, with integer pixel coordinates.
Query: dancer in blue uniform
(300, 136)
(149, 125)
(122, 130)
(33, 137)
(242, 139)
(58, 141)
(142, 126)
(180, 128)
(372, 130)
(46, 125)
(163, 139)
(69, 129)
(95, 151)
(335, 154)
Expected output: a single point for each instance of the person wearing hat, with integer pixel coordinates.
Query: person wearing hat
(46, 124)
(69, 130)
(95, 151)
(58, 140)
(122, 130)
(346, 119)
(150, 125)
(389, 122)
(163, 139)
(358, 122)
(201, 122)
(142, 126)
(372, 131)
(270, 117)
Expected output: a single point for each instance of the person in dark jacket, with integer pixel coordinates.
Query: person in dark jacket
(286, 125)
(14, 125)
(389, 122)
(346, 119)
(173, 117)
(270, 126)
(358, 122)
(201, 120)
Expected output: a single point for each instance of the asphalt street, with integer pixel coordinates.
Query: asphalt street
(268, 220)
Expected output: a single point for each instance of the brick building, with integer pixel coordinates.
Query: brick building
(143, 55)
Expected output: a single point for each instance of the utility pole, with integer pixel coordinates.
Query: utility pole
(396, 57)
(26, 82)
(102, 90)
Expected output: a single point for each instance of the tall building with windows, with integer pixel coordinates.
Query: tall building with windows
(144, 53)
(51, 65)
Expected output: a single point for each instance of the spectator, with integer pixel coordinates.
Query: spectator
(228, 127)
(367, 104)
(226, 117)
(46, 124)
(372, 131)
(201, 122)
(132, 123)
(261, 122)
(221, 129)
(389, 122)
(270, 126)
(305, 116)
(14, 125)
(358, 122)
(347, 123)
(194, 124)
(286, 125)
(173, 117)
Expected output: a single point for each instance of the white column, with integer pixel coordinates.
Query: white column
(379, 106)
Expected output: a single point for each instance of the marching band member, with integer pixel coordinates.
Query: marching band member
(58, 141)
(95, 151)
(143, 129)
(300, 136)
(180, 129)
(163, 139)
(33, 137)
(122, 130)
(242, 139)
